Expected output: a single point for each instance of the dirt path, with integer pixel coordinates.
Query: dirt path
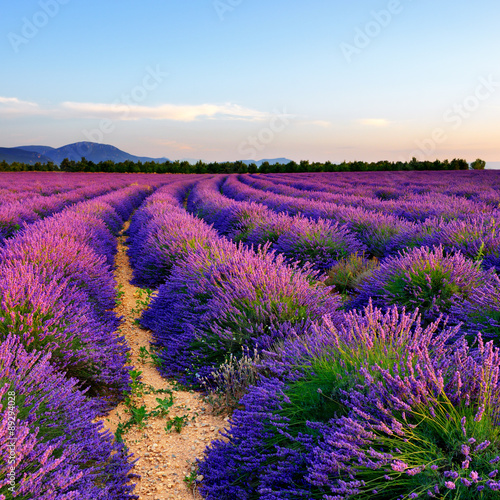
(166, 457)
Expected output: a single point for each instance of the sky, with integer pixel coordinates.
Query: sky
(233, 80)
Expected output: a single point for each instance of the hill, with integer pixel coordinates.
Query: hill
(11, 155)
(92, 151)
(273, 161)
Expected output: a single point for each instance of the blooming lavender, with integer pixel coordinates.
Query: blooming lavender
(322, 243)
(480, 312)
(166, 238)
(49, 313)
(427, 425)
(426, 278)
(58, 452)
(269, 450)
(223, 298)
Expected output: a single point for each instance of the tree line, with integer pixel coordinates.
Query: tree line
(239, 167)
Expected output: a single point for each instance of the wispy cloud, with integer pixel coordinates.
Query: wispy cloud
(10, 106)
(174, 112)
(374, 122)
(123, 112)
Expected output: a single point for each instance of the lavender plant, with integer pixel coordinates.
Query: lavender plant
(428, 429)
(349, 273)
(268, 451)
(226, 297)
(59, 451)
(426, 278)
(480, 313)
(321, 243)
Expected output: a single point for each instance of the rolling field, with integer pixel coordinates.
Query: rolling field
(282, 336)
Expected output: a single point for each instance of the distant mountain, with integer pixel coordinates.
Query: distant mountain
(92, 151)
(11, 155)
(493, 165)
(37, 149)
(271, 162)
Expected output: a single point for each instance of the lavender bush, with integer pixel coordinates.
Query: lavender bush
(427, 428)
(426, 278)
(59, 451)
(269, 451)
(480, 313)
(320, 243)
(223, 298)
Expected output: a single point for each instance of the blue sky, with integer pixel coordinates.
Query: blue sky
(250, 79)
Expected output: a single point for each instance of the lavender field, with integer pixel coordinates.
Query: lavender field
(349, 324)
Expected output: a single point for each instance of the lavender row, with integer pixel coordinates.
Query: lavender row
(50, 445)
(481, 187)
(320, 242)
(153, 234)
(476, 235)
(58, 296)
(442, 268)
(14, 215)
(217, 297)
(402, 203)
(372, 229)
(378, 408)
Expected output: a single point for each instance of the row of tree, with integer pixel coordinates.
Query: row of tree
(239, 167)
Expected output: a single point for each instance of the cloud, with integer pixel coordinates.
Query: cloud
(174, 112)
(14, 106)
(374, 122)
(120, 112)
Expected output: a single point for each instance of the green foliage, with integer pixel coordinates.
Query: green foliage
(138, 415)
(349, 273)
(478, 165)
(164, 405)
(191, 479)
(238, 167)
(177, 423)
(144, 354)
(119, 294)
(429, 286)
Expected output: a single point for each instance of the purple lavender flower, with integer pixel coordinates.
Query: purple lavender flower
(426, 279)
(58, 450)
